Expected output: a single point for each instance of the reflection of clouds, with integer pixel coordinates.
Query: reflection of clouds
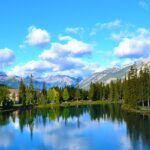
(6, 137)
(125, 142)
(16, 124)
(70, 137)
(65, 135)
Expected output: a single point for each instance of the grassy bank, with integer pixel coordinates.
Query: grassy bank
(75, 103)
(15, 107)
(63, 104)
(128, 108)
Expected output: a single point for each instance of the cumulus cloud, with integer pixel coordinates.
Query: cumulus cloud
(75, 30)
(37, 36)
(65, 57)
(33, 67)
(135, 47)
(73, 47)
(6, 56)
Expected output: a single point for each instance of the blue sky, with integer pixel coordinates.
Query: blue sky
(72, 37)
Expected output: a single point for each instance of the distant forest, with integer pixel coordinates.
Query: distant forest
(130, 90)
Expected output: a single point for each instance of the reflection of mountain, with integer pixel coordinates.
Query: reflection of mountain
(51, 81)
(79, 128)
(112, 74)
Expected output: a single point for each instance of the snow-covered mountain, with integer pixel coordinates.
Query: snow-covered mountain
(112, 73)
(51, 81)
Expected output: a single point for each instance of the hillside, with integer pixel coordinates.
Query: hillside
(109, 74)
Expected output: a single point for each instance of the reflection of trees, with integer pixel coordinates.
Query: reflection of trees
(137, 125)
(111, 112)
(138, 128)
(4, 119)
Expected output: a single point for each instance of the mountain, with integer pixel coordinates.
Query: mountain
(114, 73)
(51, 81)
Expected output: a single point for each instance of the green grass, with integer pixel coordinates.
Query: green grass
(128, 108)
(76, 103)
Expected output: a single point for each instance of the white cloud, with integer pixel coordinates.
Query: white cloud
(107, 25)
(63, 57)
(75, 30)
(37, 36)
(33, 67)
(73, 47)
(6, 56)
(121, 35)
(135, 47)
(143, 4)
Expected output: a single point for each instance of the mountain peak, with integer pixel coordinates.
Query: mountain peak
(113, 73)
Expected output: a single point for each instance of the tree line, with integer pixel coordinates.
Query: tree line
(29, 95)
(130, 90)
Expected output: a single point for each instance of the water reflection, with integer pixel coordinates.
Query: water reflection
(81, 128)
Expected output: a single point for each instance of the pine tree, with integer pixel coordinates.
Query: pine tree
(77, 93)
(50, 94)
(91, 92)
(56, 95)
(44, 92)
(30, 92)
(22, 92)
(112, 91)
(65, 94)
(4, 95)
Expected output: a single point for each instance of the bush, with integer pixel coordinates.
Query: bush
(7, 104)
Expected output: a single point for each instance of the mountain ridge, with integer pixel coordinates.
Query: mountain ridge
(51, 81)
(113, 73)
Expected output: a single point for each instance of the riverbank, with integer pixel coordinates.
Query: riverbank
(124, 107)
(128, 108)
(15, 107)
(63, 104)
(75, 103)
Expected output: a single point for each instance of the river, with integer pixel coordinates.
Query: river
(97, 127)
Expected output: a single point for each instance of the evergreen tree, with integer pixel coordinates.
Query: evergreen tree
(30, 92)
(22, 92)
(50, 94)
(112, 91)
(91, 92)
(65, 94)
(77, 93)
(56, 95)
(44, 92)
(4, 94)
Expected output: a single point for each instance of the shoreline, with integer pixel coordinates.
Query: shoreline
(124, 107)
(75, 103)
(63, 104)
(137, 110)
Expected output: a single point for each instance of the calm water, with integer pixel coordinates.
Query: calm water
(76, 128)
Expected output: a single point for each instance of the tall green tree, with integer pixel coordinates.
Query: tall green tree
(77, 93)
(22, 92)
(91, 92)
(65, 94)
(30, 92)
(4, 94)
